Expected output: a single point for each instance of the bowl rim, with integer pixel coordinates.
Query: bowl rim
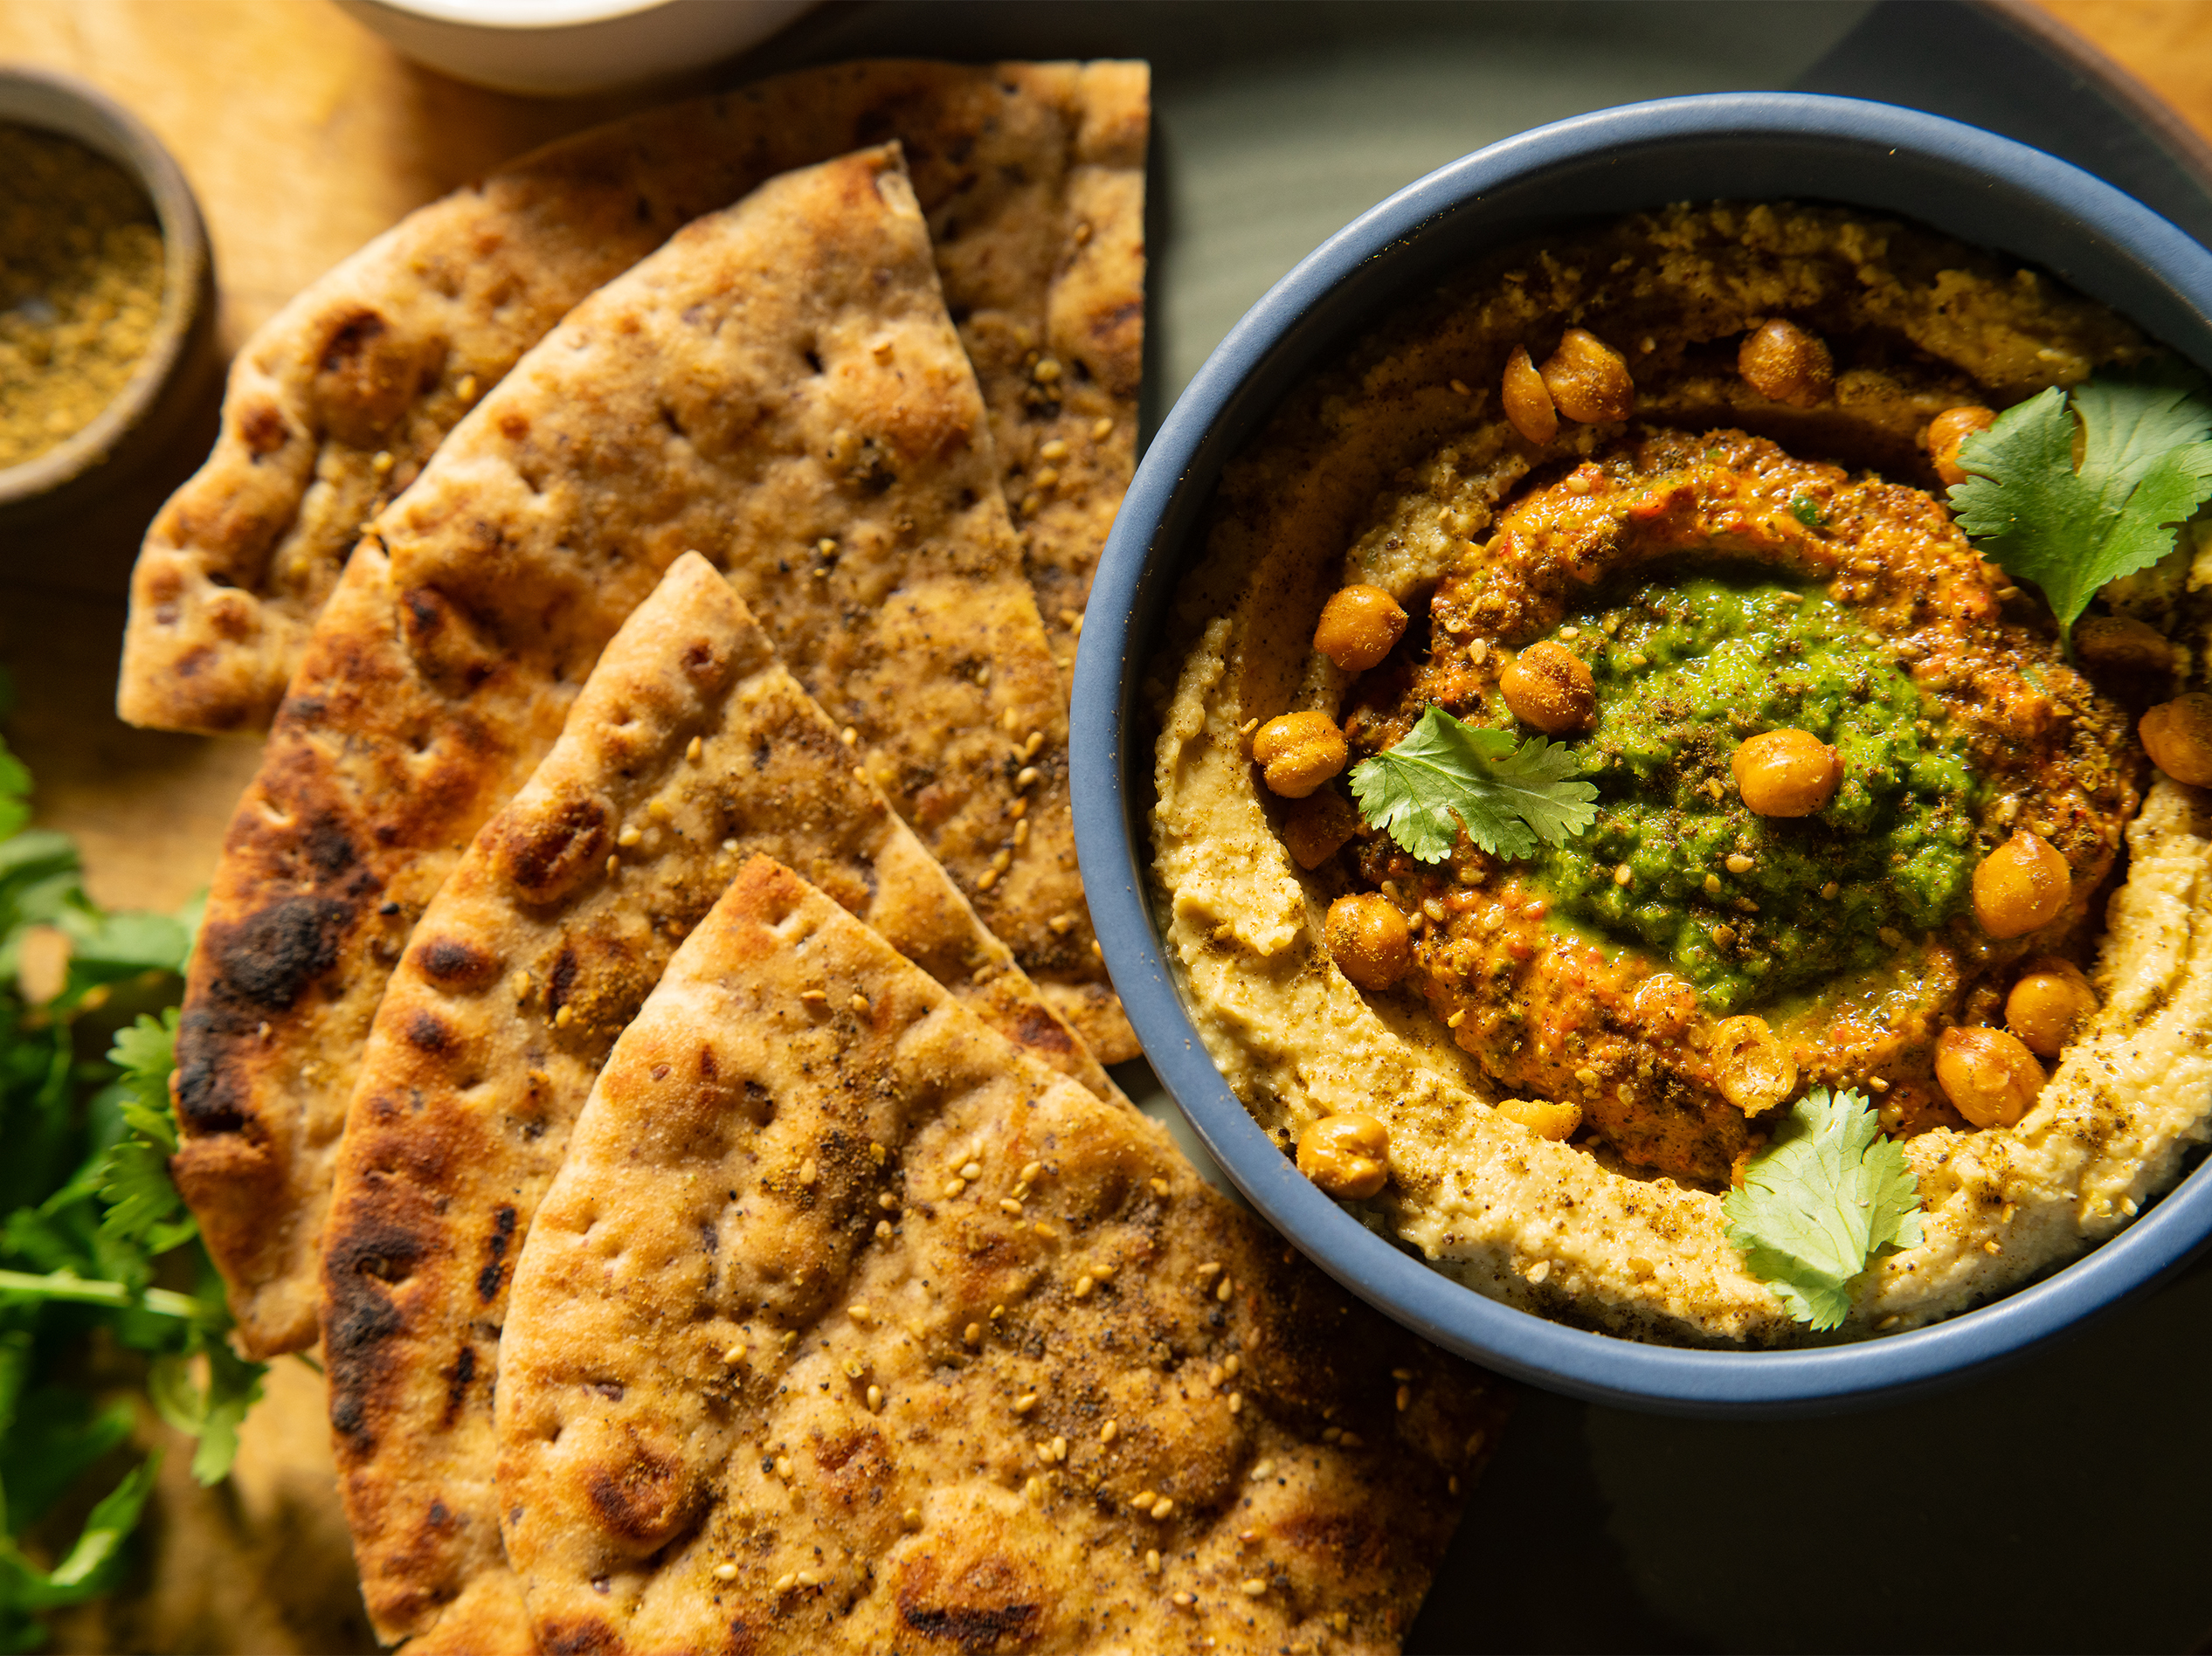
(63, 105)
(1186, 455)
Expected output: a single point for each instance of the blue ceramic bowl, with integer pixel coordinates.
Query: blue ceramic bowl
(1979, 188)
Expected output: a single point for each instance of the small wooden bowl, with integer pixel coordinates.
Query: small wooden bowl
(181, 356)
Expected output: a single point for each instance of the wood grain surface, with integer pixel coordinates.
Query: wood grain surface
(304, 136)
(2167, 44)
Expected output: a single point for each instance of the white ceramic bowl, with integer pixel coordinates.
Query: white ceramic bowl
(557, 48)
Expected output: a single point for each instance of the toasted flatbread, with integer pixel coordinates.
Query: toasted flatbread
(845, 1327)
(331, 855)
(491, 1618)
(1032, 177)
(778, 387)
(689, 748)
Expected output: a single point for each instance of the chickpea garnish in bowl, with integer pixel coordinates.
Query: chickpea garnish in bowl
(1369, 939)
(1528, 400)
(1347, 1155)
(1546, 686)
(1785, 773)
(2022, 884)
(1589, 380)
(1299, 751)
(1359, 626)
(2049, 1003)
(1991, 1077)
(1781, 360)
(1947, 430)
(2178, 736)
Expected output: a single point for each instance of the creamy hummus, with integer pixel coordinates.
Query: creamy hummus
(1400, 469)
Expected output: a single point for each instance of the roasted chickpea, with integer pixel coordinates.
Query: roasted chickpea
(1785, 773)
(1783, 362)
(1347, 1155)
(1547, 685)
(1589, 380)
(1664, 1004)
(1358, 626)
(1990, 1078)
(1315, 828)
(2021, 885)
(1368, 940)
(2178, 736)
(1752, 1068)
(1542, 1117)
(1527, 404)
(2050, 1002)
(2123, 644)
(1298, 752)
(1947, 430)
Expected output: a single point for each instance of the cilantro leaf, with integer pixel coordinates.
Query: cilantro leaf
(233, 1387)
(213, 1414)
(1828, 1195)
(15, 775)
(132, 1179)
(1447, 773)
(146, 1051)
(2145, 468)
(105, 1527)
(143, 1205)
(15, 792)
(105, 946)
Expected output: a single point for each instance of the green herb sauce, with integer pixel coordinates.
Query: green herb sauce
(1686, 670)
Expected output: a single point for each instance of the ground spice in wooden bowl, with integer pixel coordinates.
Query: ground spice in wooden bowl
(81, 287)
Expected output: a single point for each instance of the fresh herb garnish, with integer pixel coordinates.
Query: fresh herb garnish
(142, 1203)
(2145, 468)
(1820, 1201)
(1447, 773)
(1807, 510)
(15, 787)
(95, 1240)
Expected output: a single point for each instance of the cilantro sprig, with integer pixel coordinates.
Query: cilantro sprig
(94, 1238)
(1828, 1195)
(2145, 468)
(1447, 773)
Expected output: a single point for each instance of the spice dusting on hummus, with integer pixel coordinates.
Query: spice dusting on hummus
(1660, 509)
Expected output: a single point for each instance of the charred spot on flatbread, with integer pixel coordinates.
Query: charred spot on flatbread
(331, 855)
(544, 856)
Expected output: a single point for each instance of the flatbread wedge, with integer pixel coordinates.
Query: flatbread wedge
(845, 1327)
(689, 748)
(1032, 177)
(778, 387)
